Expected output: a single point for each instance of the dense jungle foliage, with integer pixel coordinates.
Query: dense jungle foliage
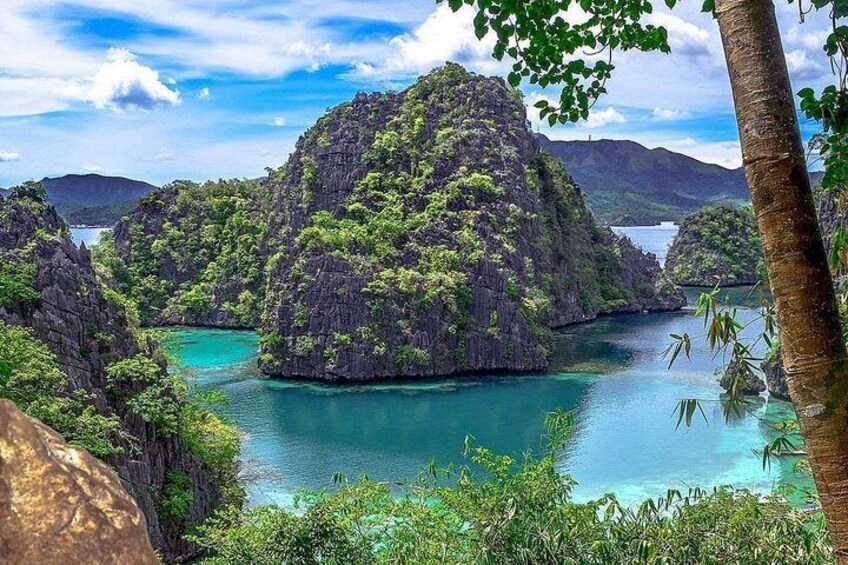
(717, 245)
(190, 253)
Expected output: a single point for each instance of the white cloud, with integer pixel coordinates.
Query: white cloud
(686, 38)
(597, 118)
(444, 36)
(802, 66)
(92, 168)
(602, 118)
(164, 154)
(728, 154)
(278, 122)
(9, 156)
(204, 93)
(122, 83)
(666, 115)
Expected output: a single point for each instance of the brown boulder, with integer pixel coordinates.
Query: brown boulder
(58, 504)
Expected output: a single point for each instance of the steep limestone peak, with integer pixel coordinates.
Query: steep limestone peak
(425, 233)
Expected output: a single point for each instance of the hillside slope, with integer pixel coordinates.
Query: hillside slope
(93, 200)
(628, 184)
(71, 355)
(425, 233)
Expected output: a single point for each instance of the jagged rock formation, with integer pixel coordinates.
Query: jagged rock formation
(47, 284)
(772, 368)
(60, 505)
(717, 245)
(425, 233)
(189, 254)
(751, 384)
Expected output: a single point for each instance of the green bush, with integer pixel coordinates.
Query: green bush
(161, 399)
(16, 282)
(31, 378)
(514, 512)
(177, 496)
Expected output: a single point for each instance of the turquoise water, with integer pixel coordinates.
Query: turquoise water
(298, 435)
(90, 236)
(653, 239)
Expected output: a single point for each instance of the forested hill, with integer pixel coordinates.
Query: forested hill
(94, 199)
(629, 184)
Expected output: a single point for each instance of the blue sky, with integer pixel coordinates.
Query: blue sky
(200, 89)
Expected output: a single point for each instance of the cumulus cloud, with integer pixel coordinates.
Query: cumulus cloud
(602, 118)
(666, 115)
(164, 154)
(278, 122)
(444, 36)
(687, 38)
(597, 118)
(802, 65)
(122, 83)
(8, 156)
(204, 93)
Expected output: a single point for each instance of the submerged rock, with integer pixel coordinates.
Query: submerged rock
(775, 376)
(717, 245)
(59, 505)
(425, 233)
(752, 384)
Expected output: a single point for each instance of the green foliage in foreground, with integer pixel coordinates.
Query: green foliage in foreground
(31, 378)
(516, 512)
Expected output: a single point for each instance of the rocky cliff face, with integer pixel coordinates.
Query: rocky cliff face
(425, 233)
(189, 254)
(85, 516)
(50, 286)
(717, 245)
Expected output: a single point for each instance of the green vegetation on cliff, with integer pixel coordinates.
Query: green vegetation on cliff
(718, 245)
(428, 229)
(72, 355)
(190, 253)
(31, 378)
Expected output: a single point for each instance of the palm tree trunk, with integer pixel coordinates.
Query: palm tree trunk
(814, 354)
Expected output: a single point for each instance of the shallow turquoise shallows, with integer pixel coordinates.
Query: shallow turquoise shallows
(298, 435)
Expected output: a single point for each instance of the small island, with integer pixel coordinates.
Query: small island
(717, 246)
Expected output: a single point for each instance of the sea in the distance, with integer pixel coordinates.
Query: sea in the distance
(652, 239)
(89, 236)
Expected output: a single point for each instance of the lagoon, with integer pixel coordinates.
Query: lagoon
(609, 372)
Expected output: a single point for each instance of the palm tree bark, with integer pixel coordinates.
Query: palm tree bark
(814, 354)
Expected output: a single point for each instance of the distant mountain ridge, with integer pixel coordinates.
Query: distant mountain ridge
(94, 199)
(629, 184)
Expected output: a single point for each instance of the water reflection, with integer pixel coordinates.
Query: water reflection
(608, 371)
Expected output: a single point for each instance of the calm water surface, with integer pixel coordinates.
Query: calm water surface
(653, 239)
(608, 371)
(89, 236)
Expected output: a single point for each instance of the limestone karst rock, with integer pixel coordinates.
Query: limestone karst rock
(88, 328)
(717, 245)
(425, 233)
(59, 505)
